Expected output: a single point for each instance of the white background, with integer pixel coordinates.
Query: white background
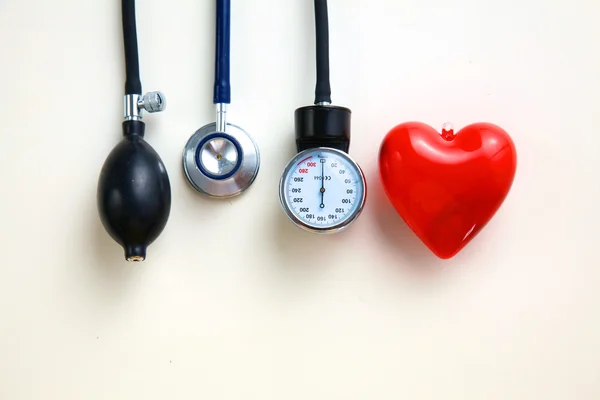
(234, 302)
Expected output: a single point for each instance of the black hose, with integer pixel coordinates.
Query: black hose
(133, 84)
(323, 87)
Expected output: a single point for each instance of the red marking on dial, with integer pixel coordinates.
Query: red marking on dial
(307, 158)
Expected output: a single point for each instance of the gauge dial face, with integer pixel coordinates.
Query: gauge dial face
(322, 189)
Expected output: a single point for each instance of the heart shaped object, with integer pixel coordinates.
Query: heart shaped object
(447, 186)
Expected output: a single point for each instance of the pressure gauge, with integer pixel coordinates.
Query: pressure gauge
(322, 190)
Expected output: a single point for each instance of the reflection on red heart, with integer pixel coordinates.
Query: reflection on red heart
(447, 186)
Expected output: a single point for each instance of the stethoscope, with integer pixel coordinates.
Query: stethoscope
(134, 192)
(322, 189)
(221, 159)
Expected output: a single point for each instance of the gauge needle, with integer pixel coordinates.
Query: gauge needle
(322, 184)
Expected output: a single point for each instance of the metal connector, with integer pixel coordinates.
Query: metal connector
(151, 102)
(221, 123)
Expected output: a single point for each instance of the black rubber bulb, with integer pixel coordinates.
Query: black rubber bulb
(134, 193)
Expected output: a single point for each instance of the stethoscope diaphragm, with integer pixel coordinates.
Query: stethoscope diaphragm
(221, 164)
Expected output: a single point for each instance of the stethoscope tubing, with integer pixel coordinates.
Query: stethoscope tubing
(222, 85)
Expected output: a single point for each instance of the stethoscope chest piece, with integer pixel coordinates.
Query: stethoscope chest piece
(221, 164)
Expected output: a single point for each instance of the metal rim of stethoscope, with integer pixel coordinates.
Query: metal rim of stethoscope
(221, 164)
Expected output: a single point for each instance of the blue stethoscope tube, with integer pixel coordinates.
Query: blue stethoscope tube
(222, 90)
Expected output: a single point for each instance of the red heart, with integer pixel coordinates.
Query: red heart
(447, 186)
